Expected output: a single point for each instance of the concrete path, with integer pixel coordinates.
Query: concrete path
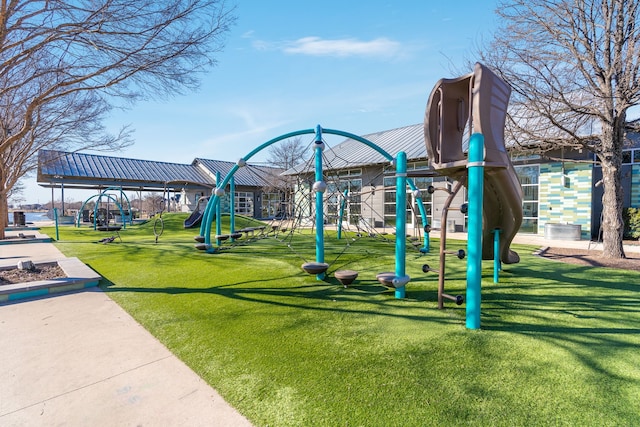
(79, 359)
(540, 241)
(21, 250)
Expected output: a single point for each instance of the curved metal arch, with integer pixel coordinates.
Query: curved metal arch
(103, 193)
(205, 228)
(95, 209)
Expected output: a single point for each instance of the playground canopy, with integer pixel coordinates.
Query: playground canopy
(57, 169)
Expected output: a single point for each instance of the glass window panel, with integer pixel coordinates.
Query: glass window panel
(389, 197)
(422, 182)
(530, 209)
(626, 156)
(530, 192)
(528, 174)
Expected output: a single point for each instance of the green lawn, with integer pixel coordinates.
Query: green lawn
(559, 345)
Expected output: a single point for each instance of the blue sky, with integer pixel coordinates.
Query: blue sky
(359, 67)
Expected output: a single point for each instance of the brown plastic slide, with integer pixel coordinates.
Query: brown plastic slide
(449, 119)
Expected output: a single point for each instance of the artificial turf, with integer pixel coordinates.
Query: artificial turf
(559, 343)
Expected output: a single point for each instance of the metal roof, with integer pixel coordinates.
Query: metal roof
(249, 175)
(351, 153)
(90, 171)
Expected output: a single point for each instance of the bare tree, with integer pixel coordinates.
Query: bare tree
(574, 66)
(285, 155)
(65, 65)
(16, 194)
(288, 153)
(153, 203)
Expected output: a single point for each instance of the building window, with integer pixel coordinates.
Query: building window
(629, 156)
(422, 183)
(413, 211)
(244, 203)
(271, 205)
(336, 191)
(529, 181)
(349, 172)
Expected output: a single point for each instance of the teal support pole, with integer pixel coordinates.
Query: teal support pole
(218, 211)
(401, 224)
(205, 215)
(423, 214)
(55, 218)
(343, 204)
(496, 255)
(319, 186)
(474, 242)
(232, 207)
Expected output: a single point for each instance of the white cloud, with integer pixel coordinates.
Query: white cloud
(316, 46)
(343, 47)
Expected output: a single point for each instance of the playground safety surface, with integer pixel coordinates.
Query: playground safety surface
(592, 258)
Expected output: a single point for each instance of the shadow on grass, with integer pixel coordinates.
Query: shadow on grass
(591, 313)
(323, 296)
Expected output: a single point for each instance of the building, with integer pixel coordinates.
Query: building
(559, 188)
(181, 184)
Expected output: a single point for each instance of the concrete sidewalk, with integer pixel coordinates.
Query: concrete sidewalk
(25, 249)
(79, 359)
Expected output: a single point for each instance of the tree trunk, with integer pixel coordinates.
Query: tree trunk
(4, 212)
(612, 200)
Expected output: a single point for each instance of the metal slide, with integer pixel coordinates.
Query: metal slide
(196, 216)
(479, 100)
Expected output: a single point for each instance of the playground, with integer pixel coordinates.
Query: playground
(320, 324)
(558, 343)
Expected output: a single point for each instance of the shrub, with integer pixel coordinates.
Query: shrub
(631, 223)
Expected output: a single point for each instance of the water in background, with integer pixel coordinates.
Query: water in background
(31, 217)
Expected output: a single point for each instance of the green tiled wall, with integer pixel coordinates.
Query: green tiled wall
(635, 186)
(565, 201)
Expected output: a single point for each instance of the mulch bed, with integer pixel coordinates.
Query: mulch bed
(591, 258)
(43, 272)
